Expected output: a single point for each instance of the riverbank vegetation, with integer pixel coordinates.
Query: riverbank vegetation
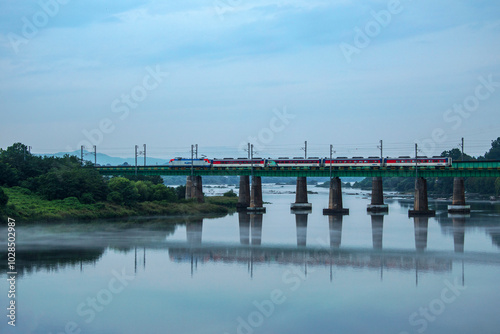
(51, 188)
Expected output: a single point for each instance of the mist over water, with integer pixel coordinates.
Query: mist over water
(272, 273)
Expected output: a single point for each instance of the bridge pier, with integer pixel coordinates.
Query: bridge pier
(301, 224)
(335, 227)
(458, 204)
(335, 199)
(377, 229)
(194, 188)
(421, 224)
(256, 203)
(189, 186)
(301, 195)
(377, 203)
(421, 206)
(244, 193)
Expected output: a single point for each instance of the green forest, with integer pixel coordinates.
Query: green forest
(35, 187)
(444, 186)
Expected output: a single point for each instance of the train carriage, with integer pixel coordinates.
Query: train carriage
(183, 162)
(352, 162)
(240, 162)
(295, 162)
(406, 161)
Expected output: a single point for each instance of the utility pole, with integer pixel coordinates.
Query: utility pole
(136, 159)
(251, 157)
(196, 151)
(381, 147)
(192, 166)
(331, 157)
(144, 155)
(462, 146)
(248, 150)
(95, 155)
(416, 160)
(305, 149)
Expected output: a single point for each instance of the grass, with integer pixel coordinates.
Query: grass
(26, 206)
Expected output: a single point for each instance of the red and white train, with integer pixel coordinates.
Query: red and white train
(402, 161)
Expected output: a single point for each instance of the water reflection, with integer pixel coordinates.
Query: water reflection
(377, 229)
(335, 226)
(459, 232)
(421, 225)
(301, 225)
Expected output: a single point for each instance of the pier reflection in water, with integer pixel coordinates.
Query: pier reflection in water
(216, 268)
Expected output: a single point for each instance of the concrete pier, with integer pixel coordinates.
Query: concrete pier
(421, 206)
(256, 228)
(377, 230)
(301, 195)
(194, 188)
(335, 227)
(244, 193)
(301, 224)
(244, 223)
(458, 204)
(189, 186)
(335, 199)
(256, 203)
(377, 203)
(421, 224)
(198, 189)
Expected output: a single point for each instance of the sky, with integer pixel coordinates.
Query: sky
(222, 73)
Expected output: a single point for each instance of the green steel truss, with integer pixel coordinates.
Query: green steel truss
(458, 169)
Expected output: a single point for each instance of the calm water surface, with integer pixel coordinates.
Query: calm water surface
(275, 273)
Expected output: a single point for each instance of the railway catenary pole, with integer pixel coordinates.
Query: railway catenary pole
(81, 155)
(136, 147)
(196, 151)
(462, 146)
(144, 155)
(192, 166)
(416, 161)
(331, 157)
(248, 150)
(381, 153)
(305, 149)
(251, 158)
(95, 155)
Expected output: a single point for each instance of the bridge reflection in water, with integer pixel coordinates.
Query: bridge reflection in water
(250, 252)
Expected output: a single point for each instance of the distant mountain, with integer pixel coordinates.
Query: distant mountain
(104, 159)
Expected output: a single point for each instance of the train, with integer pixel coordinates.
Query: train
(402, 161)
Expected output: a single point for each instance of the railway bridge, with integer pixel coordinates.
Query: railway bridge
(250, 193)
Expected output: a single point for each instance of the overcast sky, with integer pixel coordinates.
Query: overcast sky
(174, 73)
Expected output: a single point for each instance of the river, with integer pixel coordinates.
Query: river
(274, 273)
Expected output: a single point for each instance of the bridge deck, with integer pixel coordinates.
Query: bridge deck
(458, 169)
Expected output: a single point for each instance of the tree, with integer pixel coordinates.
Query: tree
(125, 188)
(494, 152)
(456, 155)
(4, 199)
